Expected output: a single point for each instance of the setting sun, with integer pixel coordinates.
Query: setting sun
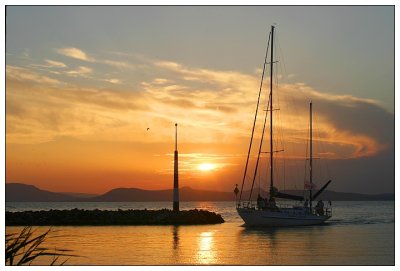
(196, 135)
(206, 167)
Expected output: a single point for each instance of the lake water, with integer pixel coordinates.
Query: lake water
(359, 233)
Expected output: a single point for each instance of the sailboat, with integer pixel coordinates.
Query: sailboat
(269, 213)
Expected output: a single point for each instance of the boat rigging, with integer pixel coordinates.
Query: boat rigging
(268, 213)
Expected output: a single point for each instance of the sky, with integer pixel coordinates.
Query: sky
(84, 84)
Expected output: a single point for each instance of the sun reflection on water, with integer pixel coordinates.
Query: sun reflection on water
(206, 253)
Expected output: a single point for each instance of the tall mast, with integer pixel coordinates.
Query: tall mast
(311, 156)
(270, 97)
(255, 119)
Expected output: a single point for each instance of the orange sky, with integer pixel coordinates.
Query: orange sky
(92, 99)
(69, 138)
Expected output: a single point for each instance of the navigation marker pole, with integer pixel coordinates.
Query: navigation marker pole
(311, 157)
(176, 185)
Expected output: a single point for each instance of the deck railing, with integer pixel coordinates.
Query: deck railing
(282, 206)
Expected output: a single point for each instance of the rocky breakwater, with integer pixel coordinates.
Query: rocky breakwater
(78, 217)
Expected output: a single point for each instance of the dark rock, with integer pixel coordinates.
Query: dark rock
(77, 217)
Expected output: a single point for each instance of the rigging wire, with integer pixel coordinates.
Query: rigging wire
(259, 149)
(293, 117)
(280, 141)
(317, 146)
(322, 145)
(307, 157)
(281, 52)
(255, 117)
(259, 183)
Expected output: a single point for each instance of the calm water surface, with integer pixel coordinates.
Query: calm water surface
(360, 233)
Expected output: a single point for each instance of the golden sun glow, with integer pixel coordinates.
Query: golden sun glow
(206, 254)
(206, 167)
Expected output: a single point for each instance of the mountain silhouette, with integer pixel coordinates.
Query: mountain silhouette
(28, 193)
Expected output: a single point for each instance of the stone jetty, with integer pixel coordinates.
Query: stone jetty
(79, 217)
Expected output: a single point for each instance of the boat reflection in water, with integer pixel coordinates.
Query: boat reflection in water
(293, 245)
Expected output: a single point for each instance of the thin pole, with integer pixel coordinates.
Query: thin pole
(176, 136)
(311, 157)
(271, 108)
(176, 176)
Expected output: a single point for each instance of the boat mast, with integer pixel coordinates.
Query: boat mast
(271, 193)
(254, 122)
(311, 157)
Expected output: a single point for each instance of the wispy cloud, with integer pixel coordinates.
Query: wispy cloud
(56, 64)
(118, 64)
(113, 81)
(162, 81)
(109, 139)
(350, 132)
(211, 105)
(22, 74)
(80, 71)
(48, 65)
(37, 113)
(81, 55)
(75, 53)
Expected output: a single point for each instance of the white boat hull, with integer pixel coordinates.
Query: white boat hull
(281, 218)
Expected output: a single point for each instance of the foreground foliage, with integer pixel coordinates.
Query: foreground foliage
(24, 247)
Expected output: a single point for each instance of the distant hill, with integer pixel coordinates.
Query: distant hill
(26, 193)
(29, 193)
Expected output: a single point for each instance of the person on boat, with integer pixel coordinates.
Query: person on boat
(260, 202)
(320, 207)
(306, 203)
(266, 203)
(236, 191)
(272, 203)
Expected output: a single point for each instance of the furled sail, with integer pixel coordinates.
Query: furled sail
(288, 196)
(275, 193)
